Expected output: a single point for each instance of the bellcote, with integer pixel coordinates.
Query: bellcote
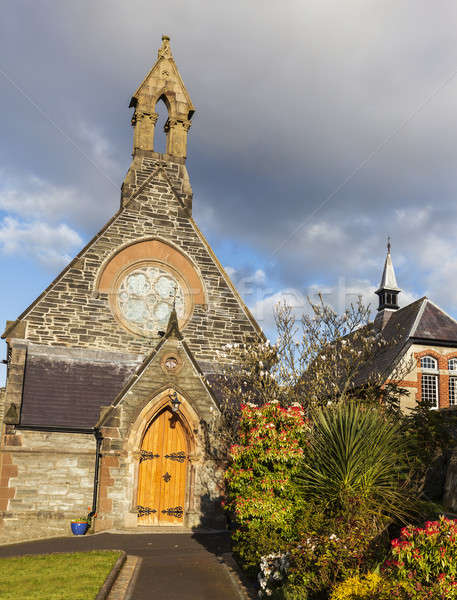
(388, 288)
(163, 82)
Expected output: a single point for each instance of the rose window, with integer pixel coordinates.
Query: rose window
(145, 298)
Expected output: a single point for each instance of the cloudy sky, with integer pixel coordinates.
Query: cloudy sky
(321, 128)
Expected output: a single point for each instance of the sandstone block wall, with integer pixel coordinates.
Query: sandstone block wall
(71, 313)
(125, 427)
(47, 481)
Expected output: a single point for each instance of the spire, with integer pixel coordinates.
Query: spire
(388, 288)
(163, 82)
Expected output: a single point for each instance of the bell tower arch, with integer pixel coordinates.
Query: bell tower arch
(162, 83)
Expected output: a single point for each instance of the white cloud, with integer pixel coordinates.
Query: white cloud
(31, 197)
(322, 230)
(339, 296)
(49, 245)
(231, 271)
(263, 308)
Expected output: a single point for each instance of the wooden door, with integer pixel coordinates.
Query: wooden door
(162, 472)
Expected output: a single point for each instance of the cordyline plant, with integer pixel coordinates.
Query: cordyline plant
(357, 464)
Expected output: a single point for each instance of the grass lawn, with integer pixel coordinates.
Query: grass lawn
(75, 576)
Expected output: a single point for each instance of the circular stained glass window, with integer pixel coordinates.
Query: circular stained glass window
(145, 298)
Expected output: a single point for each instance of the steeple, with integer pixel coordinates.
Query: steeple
(163, 82)
(388, 289)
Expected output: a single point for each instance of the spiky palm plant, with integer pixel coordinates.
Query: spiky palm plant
(357, 464)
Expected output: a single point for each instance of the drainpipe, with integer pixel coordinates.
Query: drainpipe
(99, 439)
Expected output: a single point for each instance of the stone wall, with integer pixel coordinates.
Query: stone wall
(47, 480)
(123, 432)
(72, 313)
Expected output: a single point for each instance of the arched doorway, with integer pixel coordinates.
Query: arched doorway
(163, 470)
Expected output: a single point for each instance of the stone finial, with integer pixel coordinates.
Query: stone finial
(165, 50)
(173, 325)
(163, 82)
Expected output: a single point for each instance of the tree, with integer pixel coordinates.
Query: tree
(327, 357)
(317, 359)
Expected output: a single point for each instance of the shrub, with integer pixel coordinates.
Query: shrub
(273, 571)
(354, 475)
(357, 463)
(367, 587)
(261, 496)
(424, 560)
(337, 550)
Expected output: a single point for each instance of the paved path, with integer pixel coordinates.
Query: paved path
(174, 566)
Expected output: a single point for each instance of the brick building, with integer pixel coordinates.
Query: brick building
(110, 368)
(423, 336)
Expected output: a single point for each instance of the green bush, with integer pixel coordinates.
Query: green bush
(424, 560)
(262, 498)
(366, 587)
(354, 474)
(357, 464)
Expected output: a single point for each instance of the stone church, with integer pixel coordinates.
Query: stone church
(109, 370)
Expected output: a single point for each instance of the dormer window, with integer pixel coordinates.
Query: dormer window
(429, 366)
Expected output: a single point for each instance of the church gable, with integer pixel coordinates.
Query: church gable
(74, 310)
(170, 366)
(121, 345)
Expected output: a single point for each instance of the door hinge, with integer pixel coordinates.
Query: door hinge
(141, 511)
(178, 456)
(177, 511)
(145, 455)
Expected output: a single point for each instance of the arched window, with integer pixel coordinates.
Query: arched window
(430, 381)
(429, 363)
(452, 366)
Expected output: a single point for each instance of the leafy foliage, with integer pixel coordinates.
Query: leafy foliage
(262, 498)
(356, 464)
(365, 587)
(426, 558)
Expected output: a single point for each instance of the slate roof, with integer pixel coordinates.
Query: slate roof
(66, 388)
(434, 324)
(421, 321)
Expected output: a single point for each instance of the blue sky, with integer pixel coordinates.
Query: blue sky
(321, 128)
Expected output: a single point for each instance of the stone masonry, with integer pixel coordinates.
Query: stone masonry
(76, 370)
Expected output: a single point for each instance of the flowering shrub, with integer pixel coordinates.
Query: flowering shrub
(421, 566)
(273, 571)
(424, 560)
(261, 497)
(368, 587)
(335, 550)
